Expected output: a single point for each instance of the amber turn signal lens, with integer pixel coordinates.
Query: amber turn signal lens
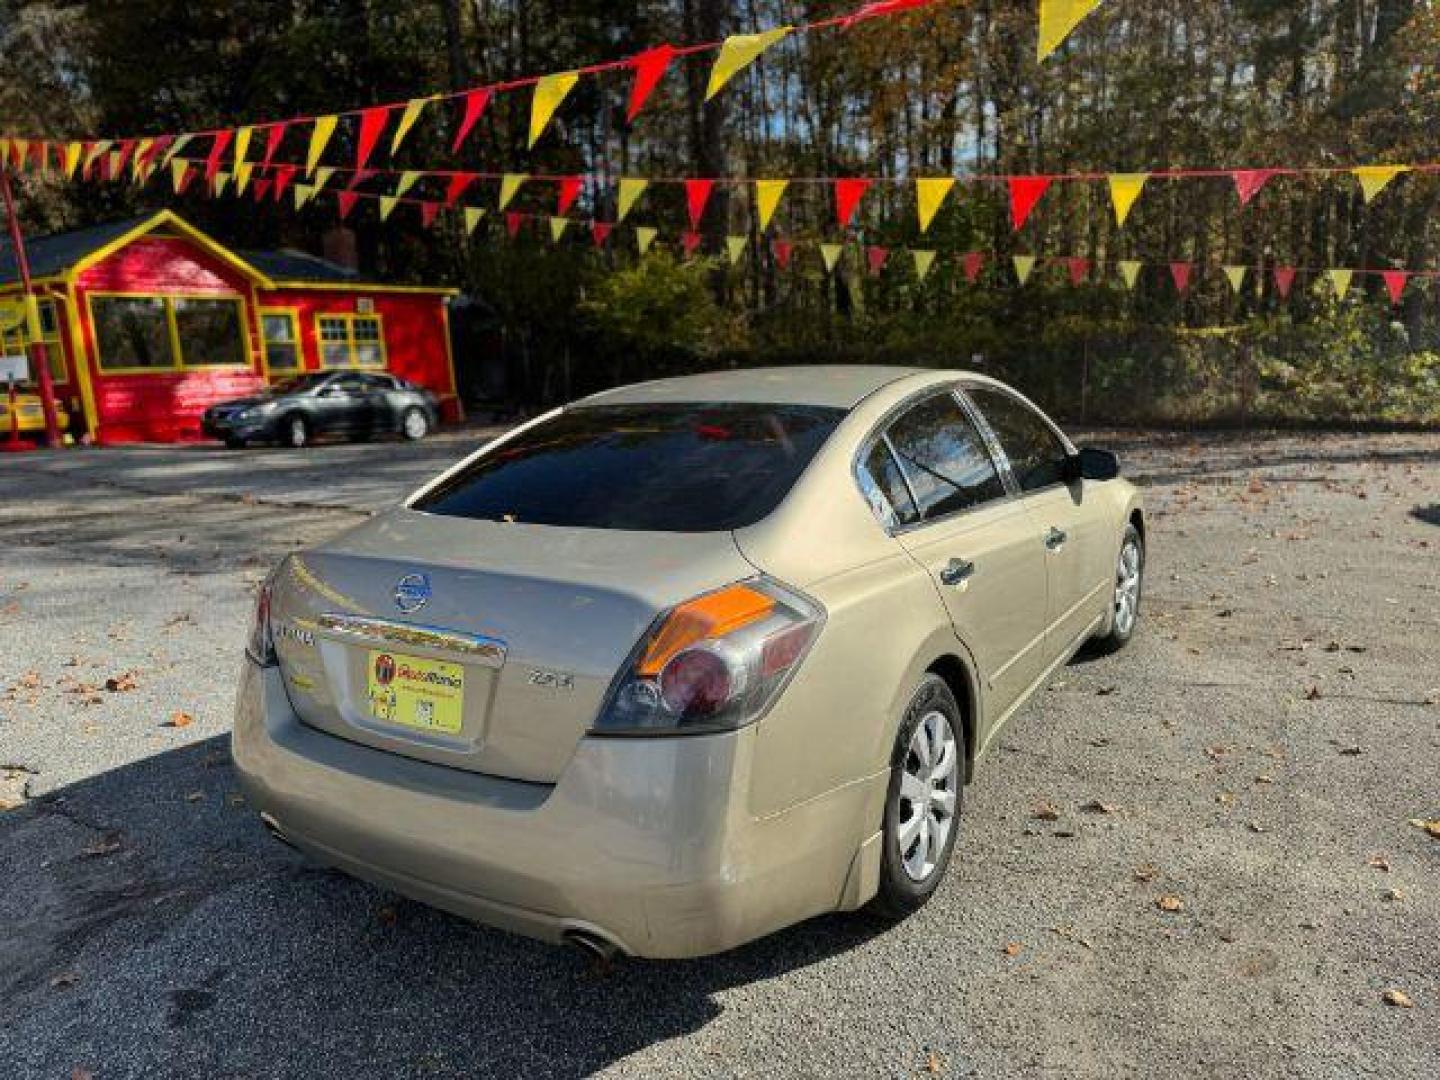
(711, 616)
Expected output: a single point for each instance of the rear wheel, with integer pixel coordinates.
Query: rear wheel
(415, 425)
(922, 806)
(234, 442)
(1129, 580)
(294, 432)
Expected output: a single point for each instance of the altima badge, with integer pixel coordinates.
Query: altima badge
(412, 592)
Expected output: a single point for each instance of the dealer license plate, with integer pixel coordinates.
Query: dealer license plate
(428, 695)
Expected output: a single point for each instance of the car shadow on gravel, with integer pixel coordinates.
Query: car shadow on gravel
(154, 929)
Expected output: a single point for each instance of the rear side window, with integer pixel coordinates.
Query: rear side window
(945, 462)
(646, 468)
(1037, 456)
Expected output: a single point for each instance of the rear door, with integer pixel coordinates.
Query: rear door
(953, 514)
(1078, 559)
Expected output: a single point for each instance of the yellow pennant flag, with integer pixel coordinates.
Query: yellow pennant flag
(558, 225)
(303, 194)
(319, 139)
(4, 150)
(181, 141)
(242, 176)
(22, 147)
(72, 158)
(222, 181)
(550, 92)
(406, 182)
(137, 162)
(644, 237)
(1125, 188)
(1340, 281)
(631, 188)
(1057, 19)
(113, 159)
(473, 216)
(95, 152)
(387, 206)
(930, 193)
(322, 177)
(1130, 272)
(242, 143)
(924, 260)
(179, 169)
(1236, 276)
(1024, 265)
(830, 254)
(1376, 178)
(510, 185)
(768, 194)
(735, 245)
(739, 52)
(413, 108)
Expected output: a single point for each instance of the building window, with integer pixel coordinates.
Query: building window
(351, 341)
(13, 343)
(282, 341)
(153, 333)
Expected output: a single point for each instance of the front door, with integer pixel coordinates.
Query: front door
(1079, 562)
(954, 516)
(344, 405)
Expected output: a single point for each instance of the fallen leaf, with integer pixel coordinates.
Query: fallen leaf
(1013, 949)
(1379, 862)
(1313, 694)
(118, 684)
(1170, 902)
(180, 719)
(1264, 779)
(1095, 806)
(1146, 872)
(1351, 751)
(1431, 827)
(1398, 998)
(933, 1063)
(1394, 895)
(101, 848)
(195, 796)
(1105, 691)
(1226, 798)
(1044, 811)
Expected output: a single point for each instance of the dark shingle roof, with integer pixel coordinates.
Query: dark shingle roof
(291, 265)
(52, 255)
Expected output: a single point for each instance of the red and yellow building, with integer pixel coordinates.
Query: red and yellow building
(150, 321)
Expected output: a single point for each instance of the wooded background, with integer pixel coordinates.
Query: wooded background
(950, 89)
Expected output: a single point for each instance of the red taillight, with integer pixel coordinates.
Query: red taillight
(695, 683)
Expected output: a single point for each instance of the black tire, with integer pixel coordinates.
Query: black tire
(294, 431)
(234, 442)
(1120, 632)
(414, 424)
(900, 893)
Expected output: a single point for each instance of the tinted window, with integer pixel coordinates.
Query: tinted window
(884, 488)
(681, 468)
(944, 458)
(1037, 456)
(298, 383)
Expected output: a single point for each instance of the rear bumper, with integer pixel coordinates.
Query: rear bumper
(645, 842)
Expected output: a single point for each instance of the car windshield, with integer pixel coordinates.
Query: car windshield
(647, 468)
(300, 382)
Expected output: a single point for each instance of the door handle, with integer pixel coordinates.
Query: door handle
(1055, 539)
(957, 572)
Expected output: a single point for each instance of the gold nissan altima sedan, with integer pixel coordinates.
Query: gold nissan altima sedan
(690, 661)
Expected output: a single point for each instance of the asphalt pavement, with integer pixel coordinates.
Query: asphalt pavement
(1194, 858)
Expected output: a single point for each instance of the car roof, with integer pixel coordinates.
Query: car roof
(834, 385)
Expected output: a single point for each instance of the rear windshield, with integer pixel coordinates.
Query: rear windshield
(650, 468)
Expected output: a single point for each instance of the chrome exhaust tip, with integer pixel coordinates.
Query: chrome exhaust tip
(599, 952)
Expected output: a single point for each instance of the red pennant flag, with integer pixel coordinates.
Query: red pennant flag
(569, 188)
(1395, 282)
(475, 102)
(41, 150)
(17, 155)
(697, 194)
(217, 151)
(87, 155)
(359, 176)
(283, 175)
(848, 194)
(273, 139)
(650, 68)
(1079, 270)
(428, 211)
(600, 232)
(459, 184)
(1025, 192)
(782, 250)
(884, 7)
(186, 180)
(127, 147)
(372, 126)
(104, 173)
(157, 147)
(1284, 279)
(972, 263)
(513, 221)
(875, 257)
(261, 187)
(1248, 182)
(689, 241)
(1180, 274)
(347, 200)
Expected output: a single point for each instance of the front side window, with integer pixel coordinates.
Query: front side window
(945, 462)
(647, 468)
(1036, 454)
(163, 333)
(282, 341)
(351, 340)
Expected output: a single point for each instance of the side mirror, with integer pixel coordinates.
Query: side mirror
(1091, 464)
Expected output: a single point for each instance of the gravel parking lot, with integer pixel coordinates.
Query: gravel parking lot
(1196, 858)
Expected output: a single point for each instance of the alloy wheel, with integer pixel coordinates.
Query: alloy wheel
(1127, 587)
(927, 798)
(415, 424)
